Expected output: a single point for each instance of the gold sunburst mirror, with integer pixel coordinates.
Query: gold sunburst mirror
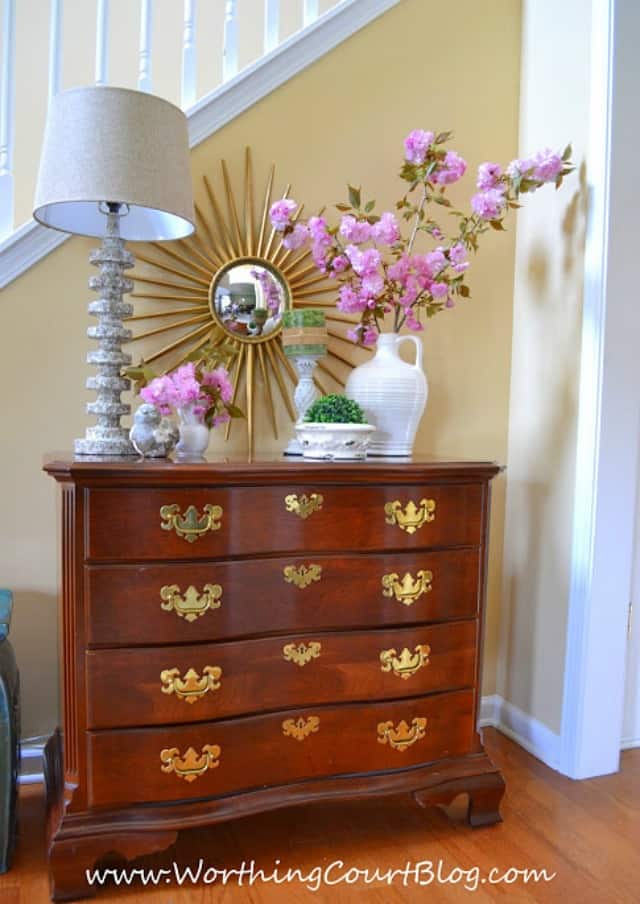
(221, 293)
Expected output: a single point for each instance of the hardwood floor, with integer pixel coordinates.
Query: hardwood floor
(587, 833)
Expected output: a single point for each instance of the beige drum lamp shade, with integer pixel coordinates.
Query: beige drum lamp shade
(113, 145)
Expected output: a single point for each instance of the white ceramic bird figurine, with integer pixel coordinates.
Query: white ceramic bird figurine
(152, 435)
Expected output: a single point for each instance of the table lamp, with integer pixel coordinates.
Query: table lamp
(114, 165)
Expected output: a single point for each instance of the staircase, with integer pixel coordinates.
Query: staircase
(215, 58)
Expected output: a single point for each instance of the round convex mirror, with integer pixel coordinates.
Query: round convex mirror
(248, 298)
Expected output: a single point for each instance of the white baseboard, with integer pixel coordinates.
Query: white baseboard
(629, 743)
(531, 734)
(31, 765)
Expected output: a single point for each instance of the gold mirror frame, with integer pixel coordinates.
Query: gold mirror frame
(244, 262)
(176, 288)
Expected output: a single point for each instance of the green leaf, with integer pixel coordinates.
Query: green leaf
(343, 207)
(233, 410)
(354, 196)
(368, 207)
(464, 291)
(566, 154)
(441, 137)
(559, 181)
(497, 225)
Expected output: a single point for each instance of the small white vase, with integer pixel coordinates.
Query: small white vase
(194, 435)
(392, 393)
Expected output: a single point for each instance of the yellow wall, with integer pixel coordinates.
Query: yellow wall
(344, 118)
(555, 92)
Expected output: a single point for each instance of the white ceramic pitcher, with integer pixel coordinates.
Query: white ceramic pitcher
(392, 393)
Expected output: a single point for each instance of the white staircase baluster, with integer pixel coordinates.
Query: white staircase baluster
(189, 61)
(55, 48)
(230, 51)
(310, 13)
(7, 116)
(144, 51)
(271, 24)
(102, 42)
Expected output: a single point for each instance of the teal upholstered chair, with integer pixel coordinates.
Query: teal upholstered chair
(9, 734)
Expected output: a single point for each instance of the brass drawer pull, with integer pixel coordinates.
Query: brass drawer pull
(412, 516)
(192, 764)
(402, 736)
(191, 526)
(407, 663)
(409, 589)
(193, 604)
(303, 575)
(304, 505)
(192, 687)
(300, 728)
(301, 653)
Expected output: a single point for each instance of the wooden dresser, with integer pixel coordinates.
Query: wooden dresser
(237, 637)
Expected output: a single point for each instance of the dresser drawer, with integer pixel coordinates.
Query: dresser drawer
(163, 685)
(185, 603)
(143, 524)
(210, 759)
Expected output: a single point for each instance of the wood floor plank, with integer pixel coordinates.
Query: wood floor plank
(585, 832)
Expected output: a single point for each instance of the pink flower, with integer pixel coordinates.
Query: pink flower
(452, 168)
(221, 418)
(350, 302)
(488, 204)
(365, 263)
(385, 231)
(353, 230)
(520, 167)
(416, 145)
(436, 232)
(439, 289)
(318, 229)
(370, 336)
(372, 285)
(413, 323)
(281, 213)
(435, 262)
(488, 175)
(187, 388)
(297, 238)
(547, 166)
(219, 378)
(161, 393)
(400, 269)
(339, 264)
(458, 257)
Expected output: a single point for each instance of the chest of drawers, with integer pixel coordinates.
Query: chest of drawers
(237, 637)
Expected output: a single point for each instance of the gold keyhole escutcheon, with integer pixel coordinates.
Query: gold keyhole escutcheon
(300, 728)
(303, 506)
(301, 653)
(302, 575)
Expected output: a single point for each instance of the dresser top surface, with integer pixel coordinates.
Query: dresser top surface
(276, 469)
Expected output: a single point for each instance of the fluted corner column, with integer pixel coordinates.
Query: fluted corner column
(108, 437)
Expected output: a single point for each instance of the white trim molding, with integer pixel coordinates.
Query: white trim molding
(608, 409)
(530, 733)
(31, 242)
